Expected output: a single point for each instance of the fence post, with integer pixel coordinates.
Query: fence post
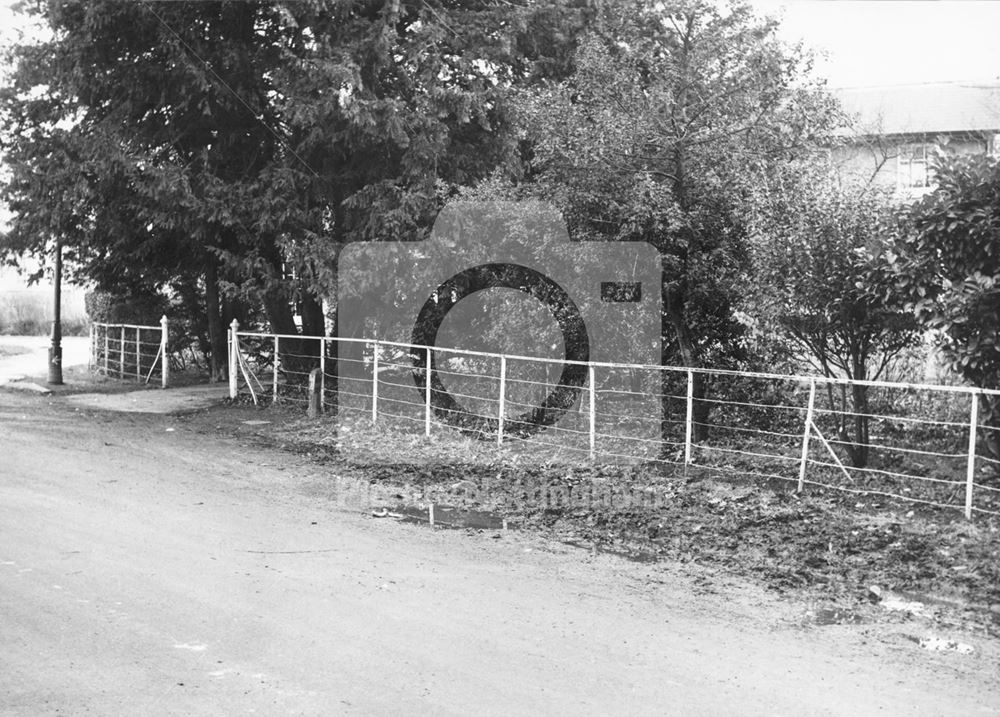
(274, 374)
(806, 434)
(427, 396)
(502, 403)
(107, 347)
(121, 356)
(314, 409)
(593, 411)
(138, 354)
(375, 383)
(164, 356)
(689, 420)
(234, 348)
(970, 471)
(322, 373)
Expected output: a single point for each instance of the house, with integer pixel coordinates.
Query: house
(897, 129)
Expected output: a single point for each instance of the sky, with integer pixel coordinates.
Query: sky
(867, 42)
(894, 42)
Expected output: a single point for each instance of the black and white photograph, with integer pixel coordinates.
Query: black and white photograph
(500, 357)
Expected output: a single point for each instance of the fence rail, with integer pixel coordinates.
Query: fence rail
(919, 443)
(131, 350)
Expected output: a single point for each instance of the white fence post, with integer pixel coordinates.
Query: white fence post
(322, 373)
(92, 359)
(234, 347)
(806, 434)
(375, 384)
(274, 373)
(107, 347)
(164, 355)
(121, 356)
(689, 421)
(502, 403)
(427, 396)
(138, 354)
(593, 411)
(970, 471)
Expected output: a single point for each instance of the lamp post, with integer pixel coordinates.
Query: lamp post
(55, 350)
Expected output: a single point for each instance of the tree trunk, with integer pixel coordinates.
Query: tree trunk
(673, 303)
(298, 357)
(313, 320)
(859, 396)
(859, 448)
(673, 326)
(218, 345)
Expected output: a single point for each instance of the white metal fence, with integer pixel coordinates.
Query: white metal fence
(919, 443)
(131, 350)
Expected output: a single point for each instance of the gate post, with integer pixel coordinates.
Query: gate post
(121, 356)
(970, 470)
(689, 417)
(806, 434)
(164, 357)
(375, 383)
(274, 376)
(592, 410)
(234, 348)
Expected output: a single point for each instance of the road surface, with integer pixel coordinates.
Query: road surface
(148, 568)
(35, 360)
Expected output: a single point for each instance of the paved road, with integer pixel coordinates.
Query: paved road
(149, 569)
(35, 362)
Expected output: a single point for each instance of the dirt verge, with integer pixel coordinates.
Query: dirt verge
(851, 555)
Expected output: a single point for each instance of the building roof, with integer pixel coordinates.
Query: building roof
(924, 109)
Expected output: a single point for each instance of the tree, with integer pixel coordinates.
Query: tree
(948, 267)
(125, 140)
(823, 285)
(674, 111)
(230, 148)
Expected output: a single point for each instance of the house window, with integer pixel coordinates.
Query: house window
(913, 166)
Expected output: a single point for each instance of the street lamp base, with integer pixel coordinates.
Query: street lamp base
(55, 365)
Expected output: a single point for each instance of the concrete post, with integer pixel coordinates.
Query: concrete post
(164, 356)
(315, 409)
(234, 347)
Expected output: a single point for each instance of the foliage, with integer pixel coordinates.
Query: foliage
(822, 283)
(105, 307)
(674, 112)
(226, 150)
(948, 266)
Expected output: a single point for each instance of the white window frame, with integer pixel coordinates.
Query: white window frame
(911, 155)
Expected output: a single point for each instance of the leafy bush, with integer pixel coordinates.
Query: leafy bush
(948, 267)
